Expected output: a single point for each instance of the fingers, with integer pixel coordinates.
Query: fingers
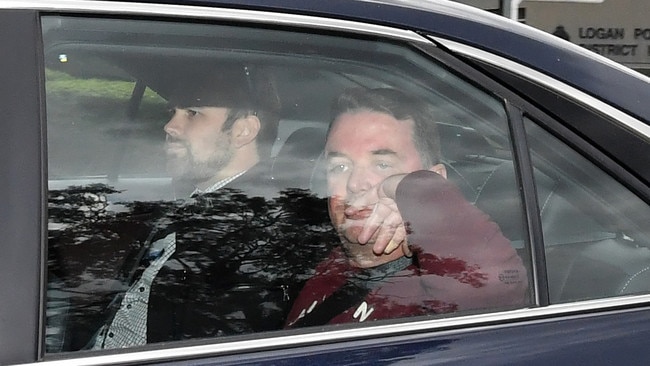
(406, 249)
(384, 216)
(389, 239)
(386, 228)
(392, 245)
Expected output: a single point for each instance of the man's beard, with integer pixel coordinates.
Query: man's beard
(188, 168)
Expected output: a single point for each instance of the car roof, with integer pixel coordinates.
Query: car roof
(583, 69)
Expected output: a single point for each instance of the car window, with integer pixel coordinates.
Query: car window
(213, 180)
(595, 236)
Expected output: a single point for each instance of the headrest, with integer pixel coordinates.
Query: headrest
(297, 160)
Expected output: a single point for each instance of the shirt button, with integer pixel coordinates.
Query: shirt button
(128, 306)
(141, 289)
(110, 335)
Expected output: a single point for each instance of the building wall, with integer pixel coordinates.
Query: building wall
(617, 29)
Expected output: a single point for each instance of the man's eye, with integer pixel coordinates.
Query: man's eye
(336, 168)
(171, 111)
(191, 112)
(383, 166)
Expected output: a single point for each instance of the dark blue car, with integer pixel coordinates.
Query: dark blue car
(546, 141)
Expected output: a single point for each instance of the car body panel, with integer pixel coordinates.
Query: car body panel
(535, 343)
(598, 339)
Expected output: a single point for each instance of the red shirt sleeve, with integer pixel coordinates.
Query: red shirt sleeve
(463, 256)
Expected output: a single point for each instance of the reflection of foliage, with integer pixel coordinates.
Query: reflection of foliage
(79, 204)
(224, 239)
(80, 216)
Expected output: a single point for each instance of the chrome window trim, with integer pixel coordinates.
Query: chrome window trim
(444, 326)
(205, 12)
(559, 87)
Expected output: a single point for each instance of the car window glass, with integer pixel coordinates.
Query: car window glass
(595, 236)
(195, 191)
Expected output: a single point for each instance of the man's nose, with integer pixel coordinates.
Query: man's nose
(360, 180)
(175, 125)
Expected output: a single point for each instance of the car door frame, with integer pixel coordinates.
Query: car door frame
(24, 214)
(22, 189)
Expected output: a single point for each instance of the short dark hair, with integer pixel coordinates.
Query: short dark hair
(263, 102)
(402, 107)
(244, 90)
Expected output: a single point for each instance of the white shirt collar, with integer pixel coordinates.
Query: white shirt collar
(218, 185)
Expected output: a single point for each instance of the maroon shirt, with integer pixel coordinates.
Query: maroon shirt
(461, 261)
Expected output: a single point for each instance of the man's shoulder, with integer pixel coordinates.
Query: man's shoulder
(259, 172)
(256, 182)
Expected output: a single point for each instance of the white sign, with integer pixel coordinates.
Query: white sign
(512, 6)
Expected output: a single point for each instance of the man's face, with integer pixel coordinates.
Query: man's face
(196, 147)
(364, 148)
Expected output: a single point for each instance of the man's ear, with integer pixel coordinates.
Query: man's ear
(245, 130)
(440, 169)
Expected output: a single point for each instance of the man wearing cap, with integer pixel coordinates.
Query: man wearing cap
(219, 129)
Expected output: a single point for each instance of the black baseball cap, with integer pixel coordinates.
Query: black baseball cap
(232, 86)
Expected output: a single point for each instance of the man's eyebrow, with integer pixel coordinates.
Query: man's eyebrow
(384, 152)
(334, 154)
